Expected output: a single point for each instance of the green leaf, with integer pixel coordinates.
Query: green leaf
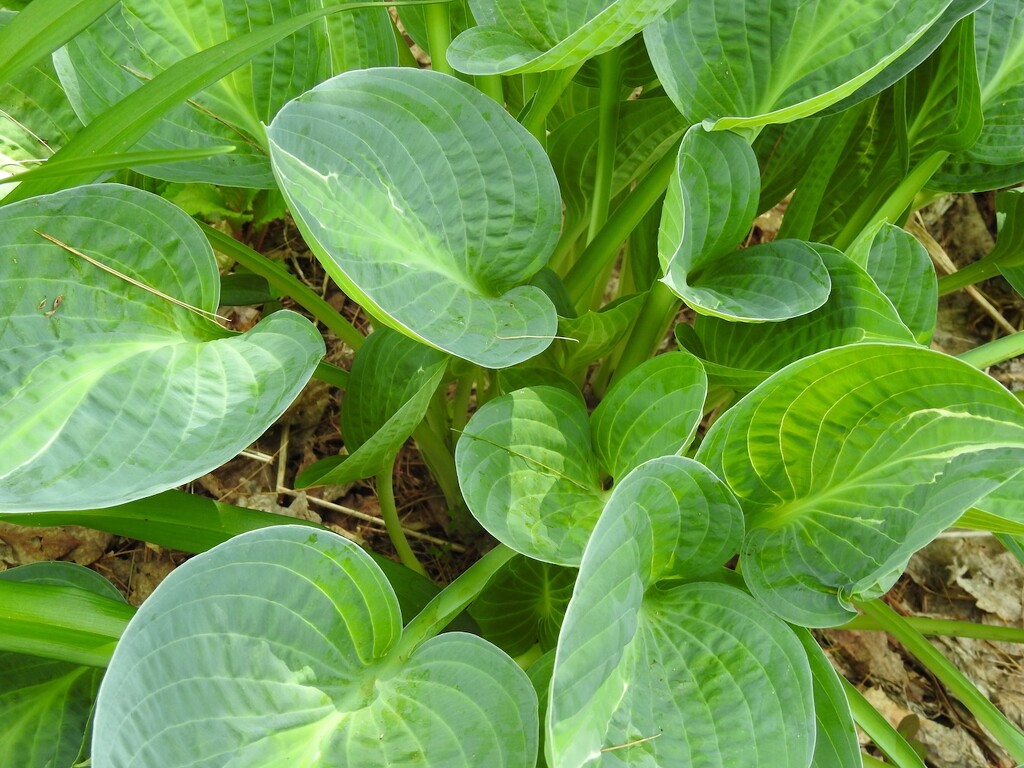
(414, 20)
(902, 269)
(856, 311)
(278, 648)
(433, 223)
(392, 381)
(121, 126)
(711, 202)
(46, 705)
(849, 461)
(516, 36)
(529, 475)
(36, 118)
(139, 39)
(111, 392)
(652, 411)
(651, 673)
(835, 745)
(996, 159)
(761, 63)
(41, 29)
(523, 605)
(597, 333)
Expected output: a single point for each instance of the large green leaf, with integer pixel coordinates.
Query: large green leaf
(428, 204)
(650, 673)
(35, 118)
(856, 311)
(711, 202)
(652, 411)
(529, 474)
(850, 460)
(281, 648)
(46, 705)
(532, 466)
(746, 63)
(522, 36)
(392, 381)
(997, 158)
(110, 392)
(139, 39)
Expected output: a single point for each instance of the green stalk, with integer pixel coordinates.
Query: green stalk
(63, 623)
(331, 374)
(389, 511)
(1005, 732)
(886, 738)
(601, 251)
(945, 628)
(659, 309)
(450, 603)
(973, 273)
(439, 460)
(281, 279)
(898, 202)
(610, 66)
(872, 762)
(439, 36)
(492, 86)
(552, 84)
(994, 352)
(460, 403)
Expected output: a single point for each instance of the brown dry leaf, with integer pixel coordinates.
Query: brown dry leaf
(20, 544)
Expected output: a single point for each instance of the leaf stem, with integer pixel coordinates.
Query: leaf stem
(610, 66)
(945, 628)
(971, 274)
(450, 603)
(492, 86)
(439, 460)
(552, 84)
(281, 279)
(659, 309)
(1007, 734)
(439, 36)
(886, 738)
(389, 511)
(601, 251)
(893, 209)
(994, 352)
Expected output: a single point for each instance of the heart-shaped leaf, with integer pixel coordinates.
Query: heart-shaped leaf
(529, 474)
(711, 201)
(683, 675)
(278, 648)
(850, 460)
(388, 391)
(531, 464)
(516, 36)
(46, 705)
(111, 391)
(651, 411)
(856, 311)
(761, 63)
(428, 204)
(139, 39)
(595, 334)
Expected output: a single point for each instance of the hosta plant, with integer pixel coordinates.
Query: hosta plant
(671, 499)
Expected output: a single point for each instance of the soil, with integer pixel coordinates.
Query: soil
(960, 576)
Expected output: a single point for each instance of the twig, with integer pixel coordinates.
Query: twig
(370, 519)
